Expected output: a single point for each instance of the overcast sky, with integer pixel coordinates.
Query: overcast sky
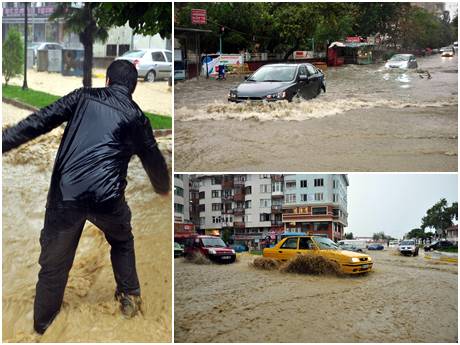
(395, 203)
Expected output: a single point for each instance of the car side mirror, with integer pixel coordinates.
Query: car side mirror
(246, 77)
(303, 77)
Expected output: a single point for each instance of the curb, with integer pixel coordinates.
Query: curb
(445, 257)
(19, 104)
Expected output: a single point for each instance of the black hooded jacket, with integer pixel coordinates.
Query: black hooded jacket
(105, 128)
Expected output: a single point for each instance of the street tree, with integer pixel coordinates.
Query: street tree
(349, 236)
(12, 55)
(144, 18)
(440, 216)
(84, 21)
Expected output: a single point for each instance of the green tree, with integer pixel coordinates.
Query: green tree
(349, 236)
(84, 21)
(12, 55)
(145, 18)
(440, 216)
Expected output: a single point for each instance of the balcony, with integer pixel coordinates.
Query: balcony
(277, 208)
(277, 222)
(227, 197)
(227, 184)
(277, 195)
(227, 211)
(238, 197)
(277, 178)
(239, 211)
(238, 225)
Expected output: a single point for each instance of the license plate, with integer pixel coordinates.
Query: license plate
(226, 257)
(364, 266)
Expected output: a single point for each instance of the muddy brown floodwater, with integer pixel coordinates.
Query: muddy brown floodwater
(370, 119)
(89, 312)
(405, 299)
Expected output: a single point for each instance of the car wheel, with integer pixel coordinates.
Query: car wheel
(150, 76)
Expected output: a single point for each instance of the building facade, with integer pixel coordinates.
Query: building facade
(253, 208)
(182, 220)
(316, 204)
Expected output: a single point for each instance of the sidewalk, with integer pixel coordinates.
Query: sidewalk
(442, 256)
(151, 97)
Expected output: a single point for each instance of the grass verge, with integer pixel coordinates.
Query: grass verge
(41, 99)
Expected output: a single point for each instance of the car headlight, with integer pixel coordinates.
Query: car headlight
(278, 95)
(354, 259)
(232, 94)
(233, 251)
(212, 251)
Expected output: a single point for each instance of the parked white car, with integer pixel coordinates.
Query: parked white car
(151, 64)
(408, 247)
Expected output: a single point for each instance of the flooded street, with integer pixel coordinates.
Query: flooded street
(89, 312)
(404, 299)
(370, 119)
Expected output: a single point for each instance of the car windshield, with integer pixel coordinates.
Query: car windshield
(134, 53)
(325, 243)
(407, 243)
(213, 242)
(399, 57)
(274, 74)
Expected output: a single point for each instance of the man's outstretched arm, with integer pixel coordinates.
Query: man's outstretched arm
(152, 158)
(40, 122)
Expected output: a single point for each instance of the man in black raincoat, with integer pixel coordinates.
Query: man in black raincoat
(105, 128)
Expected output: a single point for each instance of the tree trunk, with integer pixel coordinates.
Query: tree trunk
(290, 51)
(87, 63)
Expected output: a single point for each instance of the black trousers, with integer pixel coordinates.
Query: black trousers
(59, 240)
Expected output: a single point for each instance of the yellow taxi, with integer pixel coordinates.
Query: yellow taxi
(289, 247)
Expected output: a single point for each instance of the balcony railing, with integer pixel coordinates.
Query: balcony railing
(227, 197)
(277, 208)
(238, 225)
(238, 197)
(277, 222)
(238, 211)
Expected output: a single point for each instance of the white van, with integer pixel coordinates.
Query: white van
(360, 244)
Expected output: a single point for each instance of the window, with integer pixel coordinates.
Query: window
(248, 190)
(311, 70)
(291, 243)
(265, 202)
(319, 182)
(304, 197)
(202, 208)
(265, 217)
(303, 184)
(178, 191)
(158, 56)
(216, 207)
(334, 184)
(178, 208)
(265, 188)
(321, 226)
(216, 180)
(264, 176)
(201, 195)
(277, 202)
(336, 212)
(290, 184)
(335, 197)
(111, 50)
(319, 210)
(277, 187)
(122, 48)
(318, 196)
(305, 243)
(289, 198)
(168, 56)
(302, 70)
(248, 204)
(215, 193)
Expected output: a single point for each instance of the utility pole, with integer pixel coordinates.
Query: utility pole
(222, 29)
(24, 84)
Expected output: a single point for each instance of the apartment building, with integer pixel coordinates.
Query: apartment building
(316, 204)
(182, 203)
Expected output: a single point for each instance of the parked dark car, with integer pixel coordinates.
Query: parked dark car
(438, 245)
(277, 82)
(375, 246)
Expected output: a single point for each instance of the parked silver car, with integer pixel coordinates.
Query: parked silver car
(402, 61)
(151, 64)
